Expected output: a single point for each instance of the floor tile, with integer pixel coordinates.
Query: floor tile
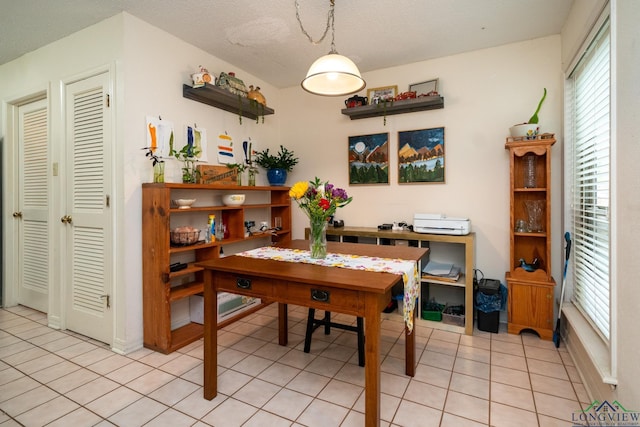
(252, 365)
(197, 406)
(288, 403)
(27, 400)
(513, 396)
(233, 412)
(308, 383)
(150, 381)
(549, 369)
(510, 376)
(256, 392)
(426, 394)
(174, 391)
(73, 380)
(553, 386)
(264, 419)
(77, 418)
(172, 418)
(555, 407)
(472, 368)
(279, 374)
(17, 387)
(323, 414)
(128, 372)
(113, 401)
(411, 414)
(468, 384)
(467, 406)
(92, 390)
(47, 412)
(138, 413)
(341, 393)
(508, 416)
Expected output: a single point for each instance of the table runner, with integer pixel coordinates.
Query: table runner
(408, 269)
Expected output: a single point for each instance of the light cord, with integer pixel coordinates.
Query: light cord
(330, 24)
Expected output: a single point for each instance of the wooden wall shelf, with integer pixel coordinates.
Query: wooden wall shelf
(397, 107)
(225, 100)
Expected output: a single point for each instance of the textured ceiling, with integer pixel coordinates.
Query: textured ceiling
(264, 38)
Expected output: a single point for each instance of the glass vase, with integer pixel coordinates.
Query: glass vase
(239, 178)
(252, 178)
(534, 209)
(158, 172)
(189, 172)
(529, 171)
(318, 238)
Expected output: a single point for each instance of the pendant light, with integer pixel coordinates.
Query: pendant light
(331, 74)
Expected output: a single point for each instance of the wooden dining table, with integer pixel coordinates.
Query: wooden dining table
(342, 290)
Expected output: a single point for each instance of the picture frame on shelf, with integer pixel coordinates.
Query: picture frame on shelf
(424, 88)
(421, 156)
(384, 93)
(369, 159)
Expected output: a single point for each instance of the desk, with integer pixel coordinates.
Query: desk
(355, 292)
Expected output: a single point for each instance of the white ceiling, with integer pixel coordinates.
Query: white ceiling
(264, 38)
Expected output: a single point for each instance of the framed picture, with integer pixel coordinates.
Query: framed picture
(381, 93)
(369, 159)
(421, 156)
(424, 87)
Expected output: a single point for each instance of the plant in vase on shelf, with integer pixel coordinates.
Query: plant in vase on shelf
(158, 164)
(277, 165)
(319, 201)
(188, 155)
(530, 129)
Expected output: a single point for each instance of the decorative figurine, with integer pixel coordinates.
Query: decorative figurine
(256, 95)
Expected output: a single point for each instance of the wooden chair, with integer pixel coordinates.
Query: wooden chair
(313, 324)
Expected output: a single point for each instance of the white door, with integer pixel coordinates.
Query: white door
(33, 206)
(88, 218)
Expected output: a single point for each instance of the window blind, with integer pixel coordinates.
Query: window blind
(589, 138)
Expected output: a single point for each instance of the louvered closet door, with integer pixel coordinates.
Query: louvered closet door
(88, 307)
(33, 188)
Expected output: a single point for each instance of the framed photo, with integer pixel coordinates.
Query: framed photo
(381, 93)
(421, 156)
(424, 87)
(369, 159)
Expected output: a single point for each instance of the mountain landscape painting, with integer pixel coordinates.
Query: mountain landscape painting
(369, 159)
(421, 156)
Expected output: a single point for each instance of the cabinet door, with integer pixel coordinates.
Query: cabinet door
(531, 305)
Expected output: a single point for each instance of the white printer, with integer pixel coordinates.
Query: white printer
(440, 224)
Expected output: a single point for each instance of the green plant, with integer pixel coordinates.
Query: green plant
(188, 156)
(283, 159)
(534, 119)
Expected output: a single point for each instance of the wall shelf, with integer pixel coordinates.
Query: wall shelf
(398, 107)
(225, 100)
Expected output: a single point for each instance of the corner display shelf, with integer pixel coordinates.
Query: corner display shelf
(225, 100)
(458, 250)
(160, 286)
(397, 107)
(530, 294)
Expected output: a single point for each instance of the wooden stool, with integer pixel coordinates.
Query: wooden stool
(313, 324)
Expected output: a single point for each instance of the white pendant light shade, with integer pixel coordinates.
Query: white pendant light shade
(333, 75)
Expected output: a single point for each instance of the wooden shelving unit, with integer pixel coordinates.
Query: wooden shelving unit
(397, 107)
(460, 252)
(530, 293)
(225, 100)
(161, 287)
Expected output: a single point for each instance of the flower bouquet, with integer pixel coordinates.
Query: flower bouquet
(319, 201)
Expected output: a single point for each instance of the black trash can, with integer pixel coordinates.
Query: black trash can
(488, 303)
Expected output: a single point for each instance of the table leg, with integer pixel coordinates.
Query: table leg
(283, 324)
(410, 351)
(210, 336)
(372, 361)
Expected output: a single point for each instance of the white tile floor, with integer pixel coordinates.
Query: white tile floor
(58, 378)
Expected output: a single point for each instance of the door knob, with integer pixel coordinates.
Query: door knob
(66, 219)
(17, 214)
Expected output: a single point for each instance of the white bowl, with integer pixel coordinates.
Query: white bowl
(233, 199)
(184, 203)
(525, 130)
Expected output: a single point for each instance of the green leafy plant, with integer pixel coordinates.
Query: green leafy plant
(534, 119)
(188, 156)
(283, 159)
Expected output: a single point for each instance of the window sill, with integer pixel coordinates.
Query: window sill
(596, 350)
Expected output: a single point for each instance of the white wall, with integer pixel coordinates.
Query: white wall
(485, 93)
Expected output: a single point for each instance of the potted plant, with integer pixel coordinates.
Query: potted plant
(277, 165)
(188, 156)
(528, 130)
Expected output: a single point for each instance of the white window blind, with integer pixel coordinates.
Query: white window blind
(588, 107)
